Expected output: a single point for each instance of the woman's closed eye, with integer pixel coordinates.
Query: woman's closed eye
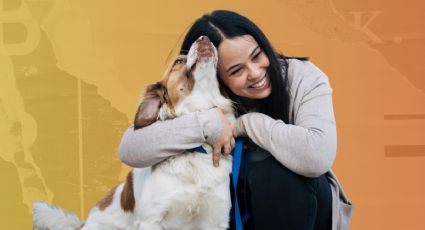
(238, 70)
(254, 58)
(256, 55)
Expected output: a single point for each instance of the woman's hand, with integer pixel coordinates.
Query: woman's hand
(226, 140)
(239, 129)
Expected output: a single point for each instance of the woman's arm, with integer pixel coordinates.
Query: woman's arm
(309, 146)
(149, 145)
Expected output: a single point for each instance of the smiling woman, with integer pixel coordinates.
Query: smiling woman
(243, 67)
(284, 106)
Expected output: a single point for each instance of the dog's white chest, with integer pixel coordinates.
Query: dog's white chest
(183, 190)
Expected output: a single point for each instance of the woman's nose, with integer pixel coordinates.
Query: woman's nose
(254, 71)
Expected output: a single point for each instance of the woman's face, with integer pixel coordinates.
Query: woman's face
(242, 66)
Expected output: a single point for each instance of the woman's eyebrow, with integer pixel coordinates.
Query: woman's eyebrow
(234, 66)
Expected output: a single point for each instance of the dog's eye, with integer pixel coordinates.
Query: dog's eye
(179, 61)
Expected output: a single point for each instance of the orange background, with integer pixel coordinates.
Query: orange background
(72, 72)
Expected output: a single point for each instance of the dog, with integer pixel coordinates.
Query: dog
(182, 192)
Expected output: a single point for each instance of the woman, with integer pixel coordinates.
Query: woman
(284, 107)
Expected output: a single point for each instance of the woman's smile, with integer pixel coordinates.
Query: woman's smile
(261, 84)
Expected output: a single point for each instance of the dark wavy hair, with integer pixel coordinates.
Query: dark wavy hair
(222, 24)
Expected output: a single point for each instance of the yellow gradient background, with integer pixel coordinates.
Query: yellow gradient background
(72, 72)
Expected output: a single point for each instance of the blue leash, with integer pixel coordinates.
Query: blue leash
(199, 149)
(236, 166)
(237, 159)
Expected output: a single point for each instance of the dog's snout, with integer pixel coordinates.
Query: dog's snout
(204, 39)
(205, 47)
(202, 50)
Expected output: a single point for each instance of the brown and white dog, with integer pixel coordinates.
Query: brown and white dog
(183, 192)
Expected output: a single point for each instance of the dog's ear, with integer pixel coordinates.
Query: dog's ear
(147, 112)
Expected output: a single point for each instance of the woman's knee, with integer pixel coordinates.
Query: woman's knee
(271, 175)
(282, 196)
(280, 199)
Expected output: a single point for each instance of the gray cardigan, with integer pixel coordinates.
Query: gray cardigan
(308, 147)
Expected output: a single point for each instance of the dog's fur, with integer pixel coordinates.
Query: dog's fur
(181, 192)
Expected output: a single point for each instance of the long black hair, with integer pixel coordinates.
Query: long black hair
(222, 24)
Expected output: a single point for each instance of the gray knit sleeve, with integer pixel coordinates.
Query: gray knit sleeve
(149, 145)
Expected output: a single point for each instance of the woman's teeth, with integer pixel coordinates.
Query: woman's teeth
(260, 84)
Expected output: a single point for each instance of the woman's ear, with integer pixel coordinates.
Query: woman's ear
(147, 112)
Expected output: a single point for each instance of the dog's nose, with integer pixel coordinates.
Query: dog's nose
(203, 38)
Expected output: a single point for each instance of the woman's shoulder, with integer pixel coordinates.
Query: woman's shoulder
(303, 74)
